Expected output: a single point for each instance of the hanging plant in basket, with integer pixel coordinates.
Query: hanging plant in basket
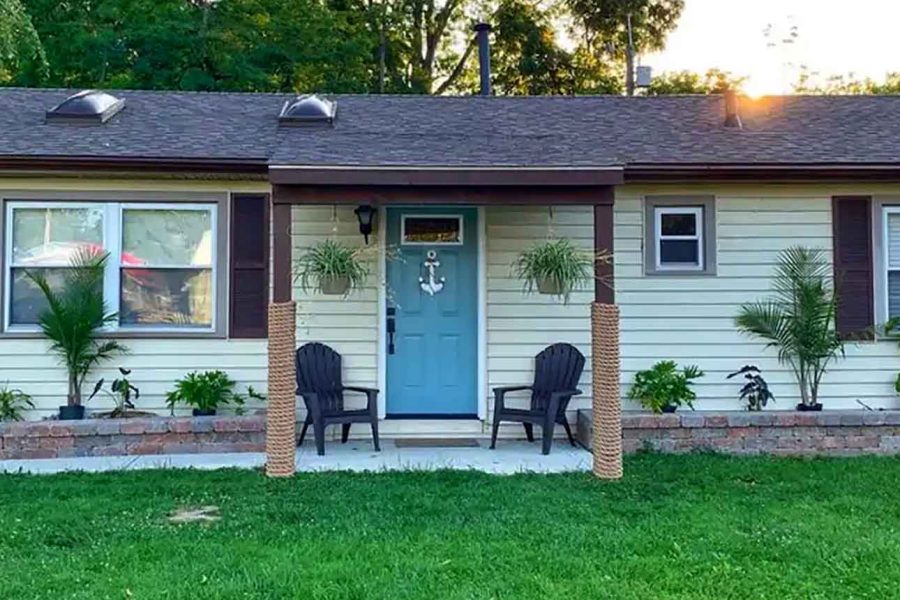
(557, 267)
(331, 268)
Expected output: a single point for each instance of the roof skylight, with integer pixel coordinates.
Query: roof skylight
(307, 110)
(88, 106)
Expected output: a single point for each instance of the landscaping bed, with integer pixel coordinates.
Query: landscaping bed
(114, 437)
(694, 526)
(790, 433)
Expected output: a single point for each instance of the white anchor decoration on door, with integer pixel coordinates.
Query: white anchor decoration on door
(432, 285)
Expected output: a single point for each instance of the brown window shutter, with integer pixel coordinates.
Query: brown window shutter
(249, 289)
(853, 266)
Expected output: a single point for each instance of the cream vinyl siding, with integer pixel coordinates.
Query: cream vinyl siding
(690, 319)
(520, 325)
(155, 363)
(349, 325)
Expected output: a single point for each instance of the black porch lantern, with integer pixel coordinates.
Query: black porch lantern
(365, 213)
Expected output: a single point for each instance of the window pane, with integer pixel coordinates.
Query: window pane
(27, 301)
(53, 235)
(678, 224)
(166, 297)
(679, 252)
(893, 279)
(167, 237)
(432, 230)
(893, 226)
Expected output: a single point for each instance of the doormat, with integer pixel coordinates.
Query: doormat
(436, 443)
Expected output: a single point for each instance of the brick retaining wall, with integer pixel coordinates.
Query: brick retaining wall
(779, 433)
(113, 437)
(835, 433)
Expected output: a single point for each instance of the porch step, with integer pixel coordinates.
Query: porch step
(424, 428)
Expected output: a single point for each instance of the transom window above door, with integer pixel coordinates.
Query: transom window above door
(161, 270)
(431, 230)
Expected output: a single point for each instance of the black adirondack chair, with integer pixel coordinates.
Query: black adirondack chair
(320, 385)
(557, 370)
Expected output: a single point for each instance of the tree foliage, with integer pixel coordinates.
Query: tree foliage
(240, 45)
(22, 58)
(713, 81)
(847, 84)
(394, 46)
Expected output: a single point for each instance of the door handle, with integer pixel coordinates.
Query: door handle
(391, 328)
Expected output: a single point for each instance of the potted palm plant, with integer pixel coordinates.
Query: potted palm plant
(331, 268)
(73, 321)
(798, 320)
(556, 267)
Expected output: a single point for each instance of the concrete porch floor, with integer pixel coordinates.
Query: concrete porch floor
(356, 455)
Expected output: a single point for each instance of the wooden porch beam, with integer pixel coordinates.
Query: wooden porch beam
(604, 284)
(442, 195)
(281, 253)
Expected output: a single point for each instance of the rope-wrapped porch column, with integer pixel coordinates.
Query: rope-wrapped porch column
(606, 400)
(281, 441)
(606, 404)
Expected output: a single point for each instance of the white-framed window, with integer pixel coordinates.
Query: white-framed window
(891, 240)
(678, 238)
(161, 272)
(431, 230)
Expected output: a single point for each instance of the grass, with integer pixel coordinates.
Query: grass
(697, 526)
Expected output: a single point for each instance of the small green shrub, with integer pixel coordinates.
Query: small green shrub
(329, 261)
(12, 403)
(664, 385)
(557, 267)
(208, 391)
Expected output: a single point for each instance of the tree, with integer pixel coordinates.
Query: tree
(602, 24)
(528, 59)
(714, 81)
(22, 58)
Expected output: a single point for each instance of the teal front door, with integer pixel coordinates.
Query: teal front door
(432, 320)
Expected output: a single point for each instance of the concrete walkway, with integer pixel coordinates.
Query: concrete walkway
(509, 457)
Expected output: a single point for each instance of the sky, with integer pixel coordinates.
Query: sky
(832, 37)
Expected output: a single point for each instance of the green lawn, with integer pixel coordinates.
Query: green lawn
(676, 527)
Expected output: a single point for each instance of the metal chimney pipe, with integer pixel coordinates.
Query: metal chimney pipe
(732, 110)
(484, 57)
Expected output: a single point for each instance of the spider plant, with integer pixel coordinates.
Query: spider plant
(74, 319)
(798, 320)
(332, 268)
(557, 267)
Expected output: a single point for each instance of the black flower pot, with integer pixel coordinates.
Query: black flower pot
(669, 408)
(817, 407)
(209, 412)
(71, 413)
